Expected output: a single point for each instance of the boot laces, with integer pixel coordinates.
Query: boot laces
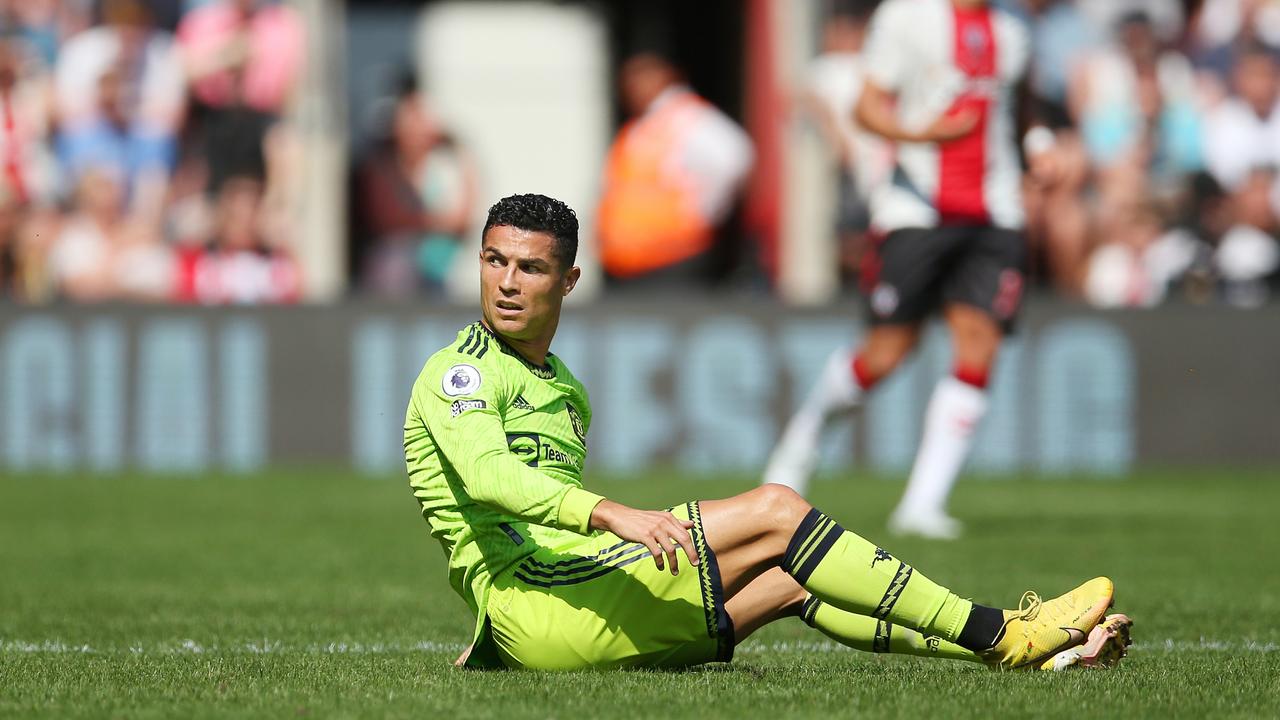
(1028, 610)
(1029, 606)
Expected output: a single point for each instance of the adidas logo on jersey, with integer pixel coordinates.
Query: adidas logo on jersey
(520, 403)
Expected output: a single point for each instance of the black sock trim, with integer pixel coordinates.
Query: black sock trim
(809, 611)
(800, 536)
(832, 534)
(809, 544)
(982, 629)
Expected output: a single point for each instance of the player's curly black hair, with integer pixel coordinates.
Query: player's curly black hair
(539, 213)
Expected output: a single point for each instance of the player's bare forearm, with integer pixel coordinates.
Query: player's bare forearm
(875, 113)
(658, 530)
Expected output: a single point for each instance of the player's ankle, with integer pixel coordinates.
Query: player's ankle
(863, 374)
(982, 630)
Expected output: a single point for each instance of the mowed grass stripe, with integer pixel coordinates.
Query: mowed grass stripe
(269, 647)
(322, 594)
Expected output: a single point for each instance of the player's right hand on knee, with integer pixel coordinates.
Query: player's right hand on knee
(658, 530)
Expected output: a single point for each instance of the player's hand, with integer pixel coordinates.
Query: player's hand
(657, 530)
(1045, 167)
(462, 659)
(951, 127)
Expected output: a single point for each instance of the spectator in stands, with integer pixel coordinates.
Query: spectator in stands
(101, 254)
(1062, 37)
(27, 169)
(129, 43)
(672, 177)
(243, 53)
(244, 59)
(1057, 218)
(1139, 260)
(120, 102)
(1142, 127)
(43, 24)
(1242, 134)
(139, 155)
(1225, 30)
(415, 195)
(1242, 149)
(242, 263)
(1165, 17)
(1138, 104)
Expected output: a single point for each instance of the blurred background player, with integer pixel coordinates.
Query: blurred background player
(940, 83)
(672, 177)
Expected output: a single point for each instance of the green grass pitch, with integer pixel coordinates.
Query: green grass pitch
(320, 594)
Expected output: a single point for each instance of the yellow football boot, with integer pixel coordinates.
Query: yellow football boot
(1038, 630)
(1108, 643)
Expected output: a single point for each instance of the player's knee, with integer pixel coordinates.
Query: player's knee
(887, 347)
(977, 340)
(977, 351)
(778, 507)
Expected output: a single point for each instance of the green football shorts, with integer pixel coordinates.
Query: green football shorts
(599, 601)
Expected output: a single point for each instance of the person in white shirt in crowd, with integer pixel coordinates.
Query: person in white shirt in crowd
(126, 39)
(1139, 260)
(1242, 152)
(101, 254)
(120, 98)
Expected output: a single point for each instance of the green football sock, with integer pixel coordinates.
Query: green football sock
(877, 636)
(846, 571)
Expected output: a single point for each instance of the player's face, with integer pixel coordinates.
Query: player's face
(522, 283)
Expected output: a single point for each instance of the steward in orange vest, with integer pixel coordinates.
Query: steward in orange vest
(671, 175)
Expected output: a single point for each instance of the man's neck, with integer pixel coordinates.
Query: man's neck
(968, 4)
(534, 351)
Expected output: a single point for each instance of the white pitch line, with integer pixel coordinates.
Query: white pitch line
(264, 646)
(267, 646)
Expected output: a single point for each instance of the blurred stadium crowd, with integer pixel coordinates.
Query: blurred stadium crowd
(146, 154)
(1164, 125)
(143, 151)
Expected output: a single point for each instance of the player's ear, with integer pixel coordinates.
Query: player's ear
(571, 279)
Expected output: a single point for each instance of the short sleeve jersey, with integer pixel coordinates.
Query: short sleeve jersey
(940, 60)
(494, 447)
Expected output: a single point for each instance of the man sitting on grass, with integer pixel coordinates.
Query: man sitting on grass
(561, 578)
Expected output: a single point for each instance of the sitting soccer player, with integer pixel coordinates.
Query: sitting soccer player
(560, 578)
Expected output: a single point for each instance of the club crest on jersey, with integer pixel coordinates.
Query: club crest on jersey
(975, 40)
(460, 379)
(884, 300)
(576, 421)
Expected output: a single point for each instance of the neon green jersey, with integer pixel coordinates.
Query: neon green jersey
(494, 447)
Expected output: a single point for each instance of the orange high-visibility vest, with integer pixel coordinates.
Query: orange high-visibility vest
(649, 216)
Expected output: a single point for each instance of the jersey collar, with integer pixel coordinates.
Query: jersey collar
(546, 372)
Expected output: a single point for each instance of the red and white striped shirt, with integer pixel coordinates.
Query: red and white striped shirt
(939, 60)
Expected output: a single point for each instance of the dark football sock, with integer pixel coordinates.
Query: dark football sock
(982, 630)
